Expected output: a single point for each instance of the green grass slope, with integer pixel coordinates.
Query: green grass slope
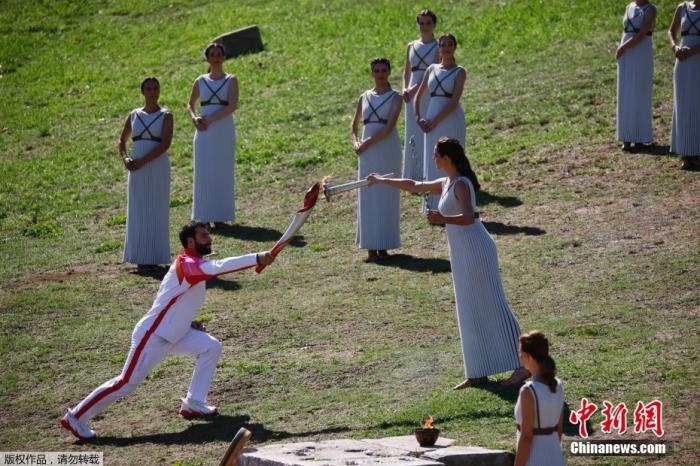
(597, 248)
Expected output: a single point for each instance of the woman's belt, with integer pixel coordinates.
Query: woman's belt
(223, 102)
(139, 138)
(541, 430)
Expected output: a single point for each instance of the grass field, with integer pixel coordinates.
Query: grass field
(597, 248)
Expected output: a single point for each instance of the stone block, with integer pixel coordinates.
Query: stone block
(470, 456)
(403, 450)
(241, 41)
(330, 453)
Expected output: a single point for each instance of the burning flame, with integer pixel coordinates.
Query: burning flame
(428, 422)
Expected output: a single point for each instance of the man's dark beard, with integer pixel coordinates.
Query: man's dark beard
(202, 249)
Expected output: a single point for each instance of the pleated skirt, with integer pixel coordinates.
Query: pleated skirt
(378, 205)
(147, 238)
(685, 132)
(635, 73)
(453, 126)
(413, 153)
(488, 330)
(213, 197)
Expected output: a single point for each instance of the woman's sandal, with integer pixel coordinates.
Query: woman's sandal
(372, 256)
(517, 377)
(475, 382)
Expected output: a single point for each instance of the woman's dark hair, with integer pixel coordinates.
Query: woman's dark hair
(148, 80)
(447, 35)
(189, 229)
(452, 149)
(212, 46)
(426, 13)
(536, 345)
(377, 61)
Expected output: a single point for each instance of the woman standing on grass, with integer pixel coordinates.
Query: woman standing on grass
(444, 82)
(685, 133)
(635, 73)
(540, 406)
(213, 198)
(420, 54)
(147, 241)
(379, 151)
(488, 329)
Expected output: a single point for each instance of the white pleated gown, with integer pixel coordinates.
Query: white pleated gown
(420, 56)
(685, 133)
(488, 329)
(545, 450)
(147, 238)
(440, 87)
(635, 73)
(213, 198)
(378, 205)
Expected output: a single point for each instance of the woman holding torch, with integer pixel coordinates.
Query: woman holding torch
(488, 329)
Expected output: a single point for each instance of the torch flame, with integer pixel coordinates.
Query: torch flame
(428, 422)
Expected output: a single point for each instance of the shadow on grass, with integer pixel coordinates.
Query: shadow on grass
(218, 283)
(259, 234)
(156, 273)
(483, 198)
(221, 427)
(652, 149)
(416, 264)
(498, 228)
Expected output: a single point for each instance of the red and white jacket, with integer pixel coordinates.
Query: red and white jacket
(182, 292)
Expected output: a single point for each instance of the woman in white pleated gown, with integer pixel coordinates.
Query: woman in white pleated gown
(213, 198)
(444, 117)
(379, 151)
(685, 133)
(539, 409)
(635, 74)
(420, 54)
(488, 329)
(147, 241)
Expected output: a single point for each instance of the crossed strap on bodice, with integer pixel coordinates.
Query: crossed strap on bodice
(629, 26)
(146, 129)
(215, 93)
(374, 109)
(539, 430)
(422, 58)
(695, 25)
(439, 81)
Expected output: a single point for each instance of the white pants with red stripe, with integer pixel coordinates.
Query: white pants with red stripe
(147, 350)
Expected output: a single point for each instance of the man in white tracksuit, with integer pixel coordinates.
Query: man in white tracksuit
(167, 328)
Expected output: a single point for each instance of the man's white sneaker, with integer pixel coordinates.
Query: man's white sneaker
(77, 428)
(192, 408)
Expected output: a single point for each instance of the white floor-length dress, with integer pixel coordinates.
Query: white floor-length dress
(147, 238)
(685, 133)
(635, 74)
(441, 84)
(213, 198)
(378, 205)
(488, 329)
(420, 55)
